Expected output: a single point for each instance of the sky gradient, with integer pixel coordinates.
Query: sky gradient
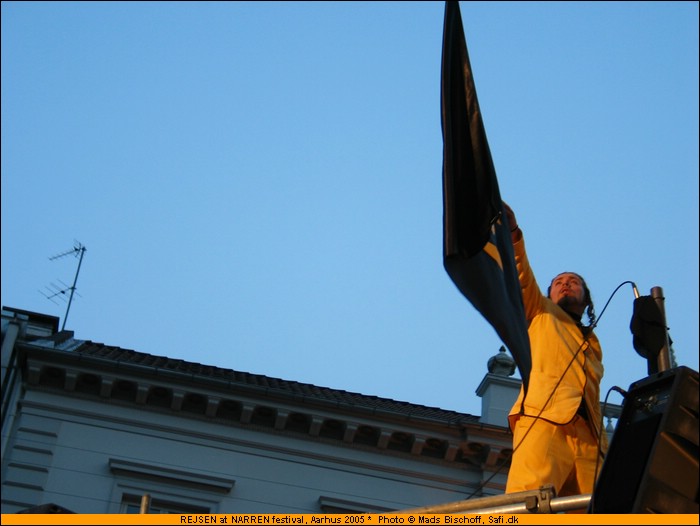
(258, 184)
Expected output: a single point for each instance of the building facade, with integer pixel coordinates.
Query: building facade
(93, 428)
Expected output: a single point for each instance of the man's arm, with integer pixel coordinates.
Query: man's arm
(532, 296)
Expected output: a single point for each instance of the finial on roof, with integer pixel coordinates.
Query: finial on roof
(501, 364)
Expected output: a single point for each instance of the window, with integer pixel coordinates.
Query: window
(334, 505)
(179, 491)
(131, 503)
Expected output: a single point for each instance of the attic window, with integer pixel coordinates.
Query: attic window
(53, 377)
(400, 442)
(160, 396)
(229, 410)
(332, 429)
(367, 435)
(194, 403)
(124, 390)
(434, 448)
(88, 384)
(298, 422)
(263, 416)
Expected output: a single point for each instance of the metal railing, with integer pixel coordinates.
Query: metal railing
(542, 500)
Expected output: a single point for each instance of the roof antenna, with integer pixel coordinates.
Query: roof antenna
(77, 250)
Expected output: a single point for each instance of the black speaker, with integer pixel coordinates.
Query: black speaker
(652, 461)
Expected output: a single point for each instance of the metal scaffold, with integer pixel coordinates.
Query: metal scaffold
(542, 500)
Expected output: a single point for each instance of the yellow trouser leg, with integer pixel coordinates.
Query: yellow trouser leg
(561, 455)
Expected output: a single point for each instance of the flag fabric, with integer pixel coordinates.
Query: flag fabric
(477, 249)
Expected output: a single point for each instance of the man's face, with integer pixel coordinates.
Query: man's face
(567, 292)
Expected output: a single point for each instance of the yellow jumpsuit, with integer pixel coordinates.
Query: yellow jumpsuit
(553, 443)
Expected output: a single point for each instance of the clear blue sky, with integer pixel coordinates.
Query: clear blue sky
(258, 184)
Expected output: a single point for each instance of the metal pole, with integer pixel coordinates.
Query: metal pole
(575, 502)
(523, 500)
(557, 505)
(663, 361)
(72, 289)
(145, 503)
(533, 501)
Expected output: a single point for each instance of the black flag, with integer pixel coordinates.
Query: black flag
(477, 250)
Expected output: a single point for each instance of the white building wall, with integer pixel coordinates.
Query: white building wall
(86, 455)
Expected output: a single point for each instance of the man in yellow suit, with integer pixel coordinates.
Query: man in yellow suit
(557, 429)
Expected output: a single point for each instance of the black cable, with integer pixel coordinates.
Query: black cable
(595, 324)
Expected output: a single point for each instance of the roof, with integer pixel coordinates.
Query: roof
(162, 365)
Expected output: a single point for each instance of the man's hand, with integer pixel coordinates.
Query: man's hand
(512, 222)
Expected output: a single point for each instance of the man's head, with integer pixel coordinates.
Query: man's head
(570, 292)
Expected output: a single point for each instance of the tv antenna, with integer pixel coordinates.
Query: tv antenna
(78, 251)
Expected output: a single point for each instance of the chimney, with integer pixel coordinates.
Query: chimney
(498, 391)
